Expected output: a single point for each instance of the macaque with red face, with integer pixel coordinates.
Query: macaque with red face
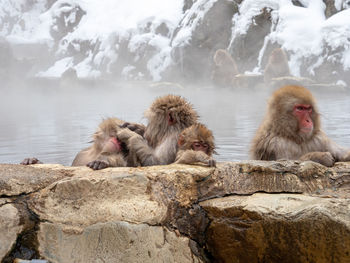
(107, 150)
(291, 130)
(167, 117)
(196, 145)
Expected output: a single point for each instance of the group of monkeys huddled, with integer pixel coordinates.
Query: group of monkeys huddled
(290, 130)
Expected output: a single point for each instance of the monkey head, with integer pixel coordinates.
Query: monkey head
(166, 115)
(198, 138)
(105, 138)
(220, 57)
(293, 113)
(171, 110)
(278, 56)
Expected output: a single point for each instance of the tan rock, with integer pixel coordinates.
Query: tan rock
(16, 179)
(10, 227)
(278, 228)
(263, 176)
(91, 197)
(135, 195)
(153, 213)
(114, 242)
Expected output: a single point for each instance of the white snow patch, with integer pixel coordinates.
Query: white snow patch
(58, 68)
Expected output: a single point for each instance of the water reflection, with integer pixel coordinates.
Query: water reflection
(53, 122)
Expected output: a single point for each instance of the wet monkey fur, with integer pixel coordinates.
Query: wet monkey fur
(196, 145)
(167, 117)
(107, 150)
(291, 129)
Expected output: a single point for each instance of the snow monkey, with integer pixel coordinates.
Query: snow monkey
(107, 150)
(277, 65)
(196, 144)
(291, 130)
(225, 68)
(167, 117)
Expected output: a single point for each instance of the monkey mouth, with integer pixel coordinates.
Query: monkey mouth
(307, 130)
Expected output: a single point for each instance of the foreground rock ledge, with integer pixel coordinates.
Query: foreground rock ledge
(250, 211)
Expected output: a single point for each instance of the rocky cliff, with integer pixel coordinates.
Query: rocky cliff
(175, 39)
(238, 212)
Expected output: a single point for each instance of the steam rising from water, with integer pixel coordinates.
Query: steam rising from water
(53, 120)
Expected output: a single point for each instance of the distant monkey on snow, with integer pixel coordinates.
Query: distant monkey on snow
(225, 68)
(277, 65)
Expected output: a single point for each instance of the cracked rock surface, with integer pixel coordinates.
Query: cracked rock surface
(251, 211)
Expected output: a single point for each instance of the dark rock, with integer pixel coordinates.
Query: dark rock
(194, 60)
(245, 47)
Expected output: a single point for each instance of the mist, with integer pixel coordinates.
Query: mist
(53, 120)
(66, 65)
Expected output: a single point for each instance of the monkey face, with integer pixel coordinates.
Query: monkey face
(303, 114)
(112, 145)
(200, 146)
(171, 119)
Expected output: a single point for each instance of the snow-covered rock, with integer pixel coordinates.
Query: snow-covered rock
(176, 39)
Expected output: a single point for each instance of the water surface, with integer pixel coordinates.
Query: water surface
(52, 120)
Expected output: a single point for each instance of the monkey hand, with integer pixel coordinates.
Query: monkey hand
(125, 134)
(211, 163)
(28, 161)
(346, 158)
(324, 158)
(98, 165)
(135, 127)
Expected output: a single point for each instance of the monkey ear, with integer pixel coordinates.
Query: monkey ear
(181, 141)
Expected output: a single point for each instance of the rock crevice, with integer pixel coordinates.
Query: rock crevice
(253, 211)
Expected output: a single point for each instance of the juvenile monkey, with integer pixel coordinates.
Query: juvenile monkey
(167, 117)
(291, 130)
(277, 65)
(196, 144)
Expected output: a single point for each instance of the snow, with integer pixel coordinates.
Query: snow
(190, 20)
(247, 11)
(58, 68)
(302, 31)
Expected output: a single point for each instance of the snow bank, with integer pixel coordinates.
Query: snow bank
(303, 31)
(101, 32)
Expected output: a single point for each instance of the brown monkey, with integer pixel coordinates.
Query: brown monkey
(225, 68)
(167, 117)
(196, 144)
(277, 65)
(291, 130)
(107, 150)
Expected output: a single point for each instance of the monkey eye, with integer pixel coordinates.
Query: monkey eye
(197, 144)
(303, 108)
